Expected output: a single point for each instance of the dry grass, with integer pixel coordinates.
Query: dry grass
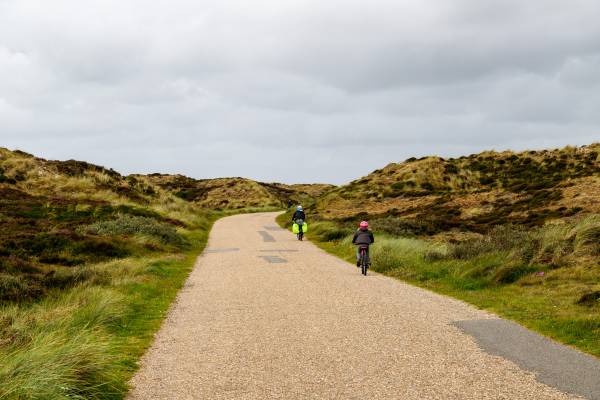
(582, 192)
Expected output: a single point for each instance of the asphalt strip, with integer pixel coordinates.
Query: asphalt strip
(267, 237)
(554, 364)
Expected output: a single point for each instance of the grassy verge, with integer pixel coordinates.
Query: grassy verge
(546, 281)
(83, 341)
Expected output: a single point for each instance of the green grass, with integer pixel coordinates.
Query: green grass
(84, 341)
(490, 275)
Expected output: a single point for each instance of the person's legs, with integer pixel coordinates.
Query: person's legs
(358, 256)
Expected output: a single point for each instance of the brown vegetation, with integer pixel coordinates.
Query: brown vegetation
(475, 193)
(236, 193)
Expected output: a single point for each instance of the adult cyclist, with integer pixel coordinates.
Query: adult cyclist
(363, 236)
(299, 217)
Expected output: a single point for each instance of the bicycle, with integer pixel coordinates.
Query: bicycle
(300, 234)
(364, 259)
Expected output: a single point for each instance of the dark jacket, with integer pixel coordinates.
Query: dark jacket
(298, 215)
(363, 237)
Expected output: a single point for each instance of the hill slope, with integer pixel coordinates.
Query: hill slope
(475, 192)
(236, 193)
(52, 212)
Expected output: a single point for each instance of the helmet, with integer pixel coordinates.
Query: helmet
(299, 208)
(364, 225)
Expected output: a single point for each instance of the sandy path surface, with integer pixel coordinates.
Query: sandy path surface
(264, 316)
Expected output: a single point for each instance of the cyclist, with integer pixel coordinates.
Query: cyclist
(363, 236)
(299, 217)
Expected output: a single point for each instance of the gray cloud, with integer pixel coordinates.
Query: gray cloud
(296, 90)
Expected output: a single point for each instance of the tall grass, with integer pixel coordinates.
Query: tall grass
(61, 348)
(83, 341)
(586, 236)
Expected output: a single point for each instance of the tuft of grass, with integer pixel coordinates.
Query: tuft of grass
(61, 348)
(586, 236)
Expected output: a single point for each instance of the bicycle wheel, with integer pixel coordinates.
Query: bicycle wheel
(363, 262)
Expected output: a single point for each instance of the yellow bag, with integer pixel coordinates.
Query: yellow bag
(296, 228)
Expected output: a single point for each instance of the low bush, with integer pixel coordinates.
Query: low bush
(385, 258)
(13, 288)
(503, 238)
(590, 299)
(68, 248)
(329, 232)
(135, 225)
(100, 249)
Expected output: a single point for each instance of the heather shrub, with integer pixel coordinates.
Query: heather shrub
(135, 225)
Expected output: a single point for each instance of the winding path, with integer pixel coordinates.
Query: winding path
(264, 316)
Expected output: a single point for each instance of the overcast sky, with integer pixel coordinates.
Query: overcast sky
(294, 90)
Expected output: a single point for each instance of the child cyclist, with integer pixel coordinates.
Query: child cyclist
(363, 236)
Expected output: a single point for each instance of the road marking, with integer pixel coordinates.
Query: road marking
(279, 251)
(226, 250)
(266, 236)
(274, 228)
(274, 259)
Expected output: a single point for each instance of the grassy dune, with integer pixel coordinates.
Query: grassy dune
(476, 192)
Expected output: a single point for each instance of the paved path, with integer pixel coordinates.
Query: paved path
(264, 316)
